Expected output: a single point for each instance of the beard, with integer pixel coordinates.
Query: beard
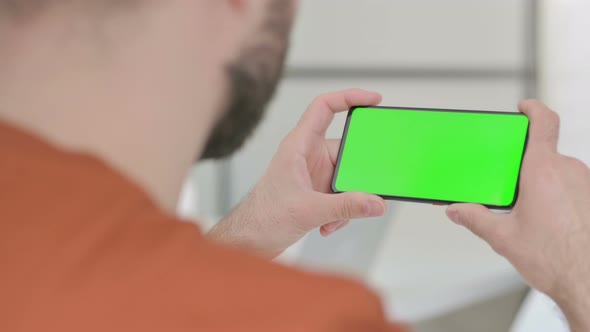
(253, 79)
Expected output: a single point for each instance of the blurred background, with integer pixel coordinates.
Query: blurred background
(483, 55)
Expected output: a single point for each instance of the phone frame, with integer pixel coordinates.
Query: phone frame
(424, 200)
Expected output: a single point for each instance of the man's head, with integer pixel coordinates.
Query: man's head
(147, 85)
(253, 73)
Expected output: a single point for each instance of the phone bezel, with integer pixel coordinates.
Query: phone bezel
(425, 200)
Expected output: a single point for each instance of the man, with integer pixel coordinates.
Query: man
(105, 105)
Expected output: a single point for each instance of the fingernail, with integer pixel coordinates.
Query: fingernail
(374, 208)
(454, 216)
(333, 226)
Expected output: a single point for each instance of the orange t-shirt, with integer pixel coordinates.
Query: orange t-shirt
(84, 249)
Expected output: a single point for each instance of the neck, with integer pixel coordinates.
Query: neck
(126, 105)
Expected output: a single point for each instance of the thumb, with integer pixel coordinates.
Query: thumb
(346, 206)
(489, 226)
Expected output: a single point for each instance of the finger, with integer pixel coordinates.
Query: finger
(346, 223)
(544, 130)
(333, 146)
(333, 227)
(327, 208)
(321, 113)
(482, 222)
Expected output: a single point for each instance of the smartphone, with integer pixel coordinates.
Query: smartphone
(438, 156)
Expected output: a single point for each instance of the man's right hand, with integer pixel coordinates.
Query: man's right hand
(547, 235)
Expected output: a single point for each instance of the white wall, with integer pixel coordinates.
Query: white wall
(565, 74)
(417, 33)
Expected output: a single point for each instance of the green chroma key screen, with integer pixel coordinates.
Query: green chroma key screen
(444, 156)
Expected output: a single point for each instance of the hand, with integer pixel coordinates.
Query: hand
(547, 235)
(294, 196)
